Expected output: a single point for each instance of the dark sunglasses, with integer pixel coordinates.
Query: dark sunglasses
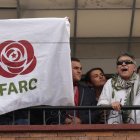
(127, 62)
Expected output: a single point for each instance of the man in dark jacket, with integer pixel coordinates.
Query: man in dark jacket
(83, 96)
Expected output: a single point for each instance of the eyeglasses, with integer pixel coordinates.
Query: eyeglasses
(127, 62)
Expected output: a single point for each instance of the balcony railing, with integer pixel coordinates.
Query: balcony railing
(45, 115)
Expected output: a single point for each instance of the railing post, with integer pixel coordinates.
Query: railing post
(59, 118)
(135, 116)
(89, 113)
(44, 116)
(29, 116)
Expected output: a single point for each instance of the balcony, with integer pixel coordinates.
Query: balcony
(69, 132)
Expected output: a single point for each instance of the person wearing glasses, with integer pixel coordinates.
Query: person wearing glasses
(121, 90)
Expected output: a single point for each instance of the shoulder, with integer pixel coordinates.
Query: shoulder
(108, 87)
(138, 77)
(83, 87)
(108, 83)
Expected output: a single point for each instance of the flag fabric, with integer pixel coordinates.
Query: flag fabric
(35, 66)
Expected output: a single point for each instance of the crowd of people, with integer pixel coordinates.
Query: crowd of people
(122, 89)
(95, 89)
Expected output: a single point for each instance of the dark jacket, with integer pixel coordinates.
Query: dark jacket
(87, 97)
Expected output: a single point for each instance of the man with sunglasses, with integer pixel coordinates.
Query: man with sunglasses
(120, 90)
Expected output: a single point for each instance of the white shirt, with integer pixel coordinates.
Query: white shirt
(106, 98)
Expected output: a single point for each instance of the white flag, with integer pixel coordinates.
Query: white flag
(35, 66)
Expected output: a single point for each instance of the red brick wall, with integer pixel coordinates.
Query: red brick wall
(129, 132)
(123, 135)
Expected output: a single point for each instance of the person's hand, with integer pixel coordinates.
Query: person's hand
(72, 120)
(68, 121)
(76, 120)
(116, 106)
(68, 19)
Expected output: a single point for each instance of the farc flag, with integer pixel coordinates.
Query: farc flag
(35, 67)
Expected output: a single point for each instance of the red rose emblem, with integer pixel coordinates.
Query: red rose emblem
(16, 58)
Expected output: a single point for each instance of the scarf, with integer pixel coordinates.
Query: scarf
(118, 84)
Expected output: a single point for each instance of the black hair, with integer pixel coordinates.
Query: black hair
(87, 75)
(75, 59)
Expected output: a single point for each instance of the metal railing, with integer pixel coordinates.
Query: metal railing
(46, 115)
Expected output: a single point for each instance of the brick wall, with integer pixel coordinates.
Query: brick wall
(31, 133)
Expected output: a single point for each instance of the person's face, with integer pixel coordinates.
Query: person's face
(97, 78)
(125, 67)
(76, 71)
